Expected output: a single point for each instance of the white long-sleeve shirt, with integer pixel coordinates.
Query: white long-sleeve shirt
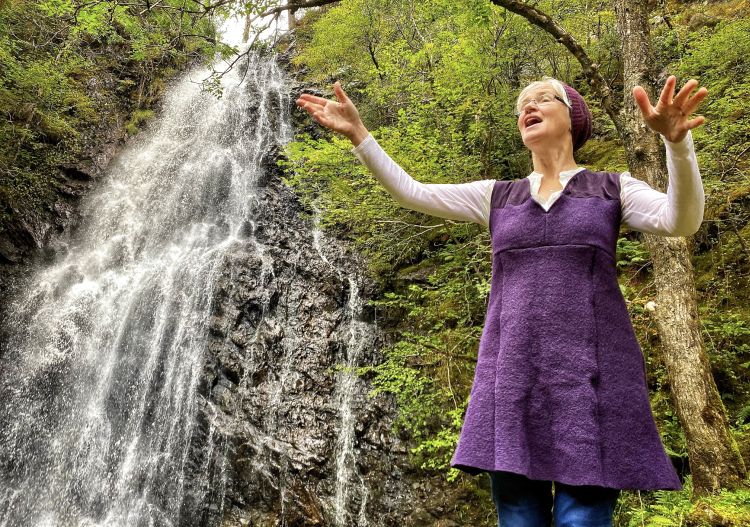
(678, 212)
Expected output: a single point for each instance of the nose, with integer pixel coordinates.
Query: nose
(520, 111)
(529, 102)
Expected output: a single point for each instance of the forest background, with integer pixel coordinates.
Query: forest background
(435, 82)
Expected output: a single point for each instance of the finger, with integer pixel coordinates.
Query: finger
(313, 98)
(668, 91)
(642, 100)
(693, 123)
(695, 100)
(339, 91)
(312, 107)
(684, 93)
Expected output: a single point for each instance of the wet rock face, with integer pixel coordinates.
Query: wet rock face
(283, 319)
(31, 231)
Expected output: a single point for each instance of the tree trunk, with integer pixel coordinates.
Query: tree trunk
(715, 461)
(246, 29)
(291, 20)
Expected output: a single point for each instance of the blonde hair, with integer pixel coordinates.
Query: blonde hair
(546, 81)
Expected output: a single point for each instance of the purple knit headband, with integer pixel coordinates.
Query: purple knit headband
(580, 117)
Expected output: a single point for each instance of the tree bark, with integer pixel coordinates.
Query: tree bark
(296, 5)
(291, 20)
(715, 461)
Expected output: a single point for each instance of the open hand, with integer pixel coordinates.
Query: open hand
(341, 116)
(670, 115)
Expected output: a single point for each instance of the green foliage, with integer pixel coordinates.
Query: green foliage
(720, 58)
(727, 337)
(351, 201)
(730, 508)
(670, 429)
(631, 253)
(654, 509)
(56, 60)
(136, 119)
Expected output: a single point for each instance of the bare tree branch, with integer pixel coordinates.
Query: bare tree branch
(301, 5)
(590, 68)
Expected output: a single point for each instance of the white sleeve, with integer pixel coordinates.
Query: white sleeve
(460, 202)
(679, 212)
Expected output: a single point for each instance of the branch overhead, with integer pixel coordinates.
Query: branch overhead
(297, 5)
(590, 69)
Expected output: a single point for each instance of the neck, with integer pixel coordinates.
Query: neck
(551, 161)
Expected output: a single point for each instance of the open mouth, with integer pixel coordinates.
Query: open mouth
(531, 120)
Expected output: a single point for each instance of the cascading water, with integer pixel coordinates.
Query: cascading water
(98, 383)
(348, 385)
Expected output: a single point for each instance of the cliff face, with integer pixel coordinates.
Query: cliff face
(29, 234)
(308, 445)
(303, 443)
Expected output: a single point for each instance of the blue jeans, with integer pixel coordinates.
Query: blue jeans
(523, 502)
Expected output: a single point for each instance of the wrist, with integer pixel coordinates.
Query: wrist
(358, 135)
(675, 137)
(679, 147)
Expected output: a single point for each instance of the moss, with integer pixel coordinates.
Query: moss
(727, 509)
(742, 440)
(601, 154)
(137, 118)
(726, 10)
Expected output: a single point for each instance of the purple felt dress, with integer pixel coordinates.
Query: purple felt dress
(559, 390)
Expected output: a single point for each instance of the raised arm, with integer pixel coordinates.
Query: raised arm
(460, 202)
(679, 211)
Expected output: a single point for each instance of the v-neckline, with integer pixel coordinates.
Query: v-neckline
(562, 192)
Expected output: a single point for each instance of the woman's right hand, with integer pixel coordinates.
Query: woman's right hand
(341, 116)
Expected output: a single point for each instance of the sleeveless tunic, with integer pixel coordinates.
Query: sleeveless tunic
(559, 390)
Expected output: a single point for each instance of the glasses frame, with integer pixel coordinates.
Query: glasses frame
(518, 112)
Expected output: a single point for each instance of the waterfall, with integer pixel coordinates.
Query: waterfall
(360, 337)
(99, 383)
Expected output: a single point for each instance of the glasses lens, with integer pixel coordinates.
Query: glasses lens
(545, 97)
(540, 98)
(522, 104)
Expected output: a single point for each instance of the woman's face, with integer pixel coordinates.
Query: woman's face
(546, 124)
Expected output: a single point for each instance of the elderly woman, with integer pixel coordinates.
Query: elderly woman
(559, 392)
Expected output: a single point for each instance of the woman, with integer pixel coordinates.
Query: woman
(559, 393)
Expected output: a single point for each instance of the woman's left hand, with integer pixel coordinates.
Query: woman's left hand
(670, 115)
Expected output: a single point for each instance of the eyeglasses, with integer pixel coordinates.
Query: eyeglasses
(542, 98)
